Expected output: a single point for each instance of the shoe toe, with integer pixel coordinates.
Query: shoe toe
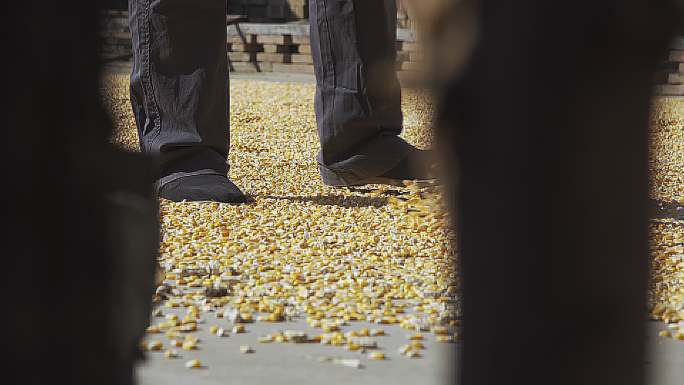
(215, 188)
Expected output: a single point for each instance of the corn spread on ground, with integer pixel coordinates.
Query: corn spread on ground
(301, 251)
(336, 257)
(666, 294)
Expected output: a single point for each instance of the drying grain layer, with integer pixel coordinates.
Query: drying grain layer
(302, 250)
(666, 294)
(336, 256)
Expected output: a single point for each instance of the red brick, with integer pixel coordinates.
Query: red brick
(248, 39)
(302, 59)
(301, 39)
(274, 39)
(677, 56)
(240, 56)
(670, 90)
(304, 48)
(277, 48)
(675, 78)
(244, 47)
(273, 57)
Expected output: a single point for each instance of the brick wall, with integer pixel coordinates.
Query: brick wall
(284, 47)
(670, 80)
(116, 37)
(261, 47)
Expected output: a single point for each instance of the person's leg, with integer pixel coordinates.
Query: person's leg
(179, 95)
(358, 97)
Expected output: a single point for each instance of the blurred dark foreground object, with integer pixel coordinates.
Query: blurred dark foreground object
(547, 121)
(81, 232)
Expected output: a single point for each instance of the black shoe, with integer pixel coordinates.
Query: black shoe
(196, 188)
(416, 166)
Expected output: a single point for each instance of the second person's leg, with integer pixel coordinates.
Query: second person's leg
(358, 97)
(179, 94)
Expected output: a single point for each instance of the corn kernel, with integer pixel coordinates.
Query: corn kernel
(239, 328)
(193, 364)
(155, 345)
(189, 345)
(444, 339)
(416, 345)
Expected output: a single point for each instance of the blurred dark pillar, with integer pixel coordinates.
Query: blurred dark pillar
(550, 124)
(80, 223)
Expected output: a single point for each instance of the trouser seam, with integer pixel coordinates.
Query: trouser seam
(330, 66)
(151, 99)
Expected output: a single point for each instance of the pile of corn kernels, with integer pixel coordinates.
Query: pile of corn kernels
(335, 256)
(666, 293)
(301, 251)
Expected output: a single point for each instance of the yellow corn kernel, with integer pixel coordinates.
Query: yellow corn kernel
(189, 345)
(155, 345)
(416, 345)
(352, 346)
(239, 328)
(193, 364)
(444, 339)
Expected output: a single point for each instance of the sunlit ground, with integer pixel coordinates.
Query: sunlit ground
(326, 261)
(667, 188)
(330, 262)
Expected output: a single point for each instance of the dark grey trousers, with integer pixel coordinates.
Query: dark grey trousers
(179, 86)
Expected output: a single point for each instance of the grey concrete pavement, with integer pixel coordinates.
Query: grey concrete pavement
(665, 358)
(286, 363)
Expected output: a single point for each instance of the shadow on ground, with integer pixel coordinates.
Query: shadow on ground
(658, 209)
(336, 200)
